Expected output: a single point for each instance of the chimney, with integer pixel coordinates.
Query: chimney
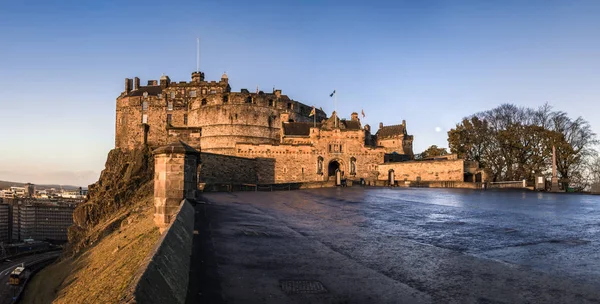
(164, 81)
(136, 83)
(404, 123)
(354, 116)
(152, 82)
(128, 85)
(277, 93)
(380, 125)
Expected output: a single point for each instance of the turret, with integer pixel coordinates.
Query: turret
(136, 83)
(354, 116)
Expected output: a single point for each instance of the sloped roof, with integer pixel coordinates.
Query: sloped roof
(152, 91)
(298, 128)
(350, 124)
(390, 131)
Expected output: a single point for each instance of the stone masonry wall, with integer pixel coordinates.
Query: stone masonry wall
(435, 170)
(217, 169)
(300, 162)
(224, 117)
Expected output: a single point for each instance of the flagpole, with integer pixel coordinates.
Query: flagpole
(335, 106)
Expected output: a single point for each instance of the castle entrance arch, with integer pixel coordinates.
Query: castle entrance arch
(335, 170)
(333, 166)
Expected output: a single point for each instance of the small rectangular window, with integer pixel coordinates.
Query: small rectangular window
(185, 119)
(192, 93)
(170, 106)
(289, 106)
(270, 102)
(145, 118)
(169, 118)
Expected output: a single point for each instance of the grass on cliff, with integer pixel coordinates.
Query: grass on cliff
(102, 272)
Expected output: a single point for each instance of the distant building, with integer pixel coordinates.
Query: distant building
(41, 220)
(5, 223)
(6, 194)
(19, 191)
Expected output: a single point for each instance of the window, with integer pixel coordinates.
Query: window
(185, 119)
(170, 106)
(204, 102)
(225, 98)
(172, 94)
(159, 96)
(144, 106)
(145, 94)
(169, 119)
(203, 91)
(192, 93)
(270, 102)
(353, 166)
(249, 99)
(145, 118)
(289, 106)
(213, 91)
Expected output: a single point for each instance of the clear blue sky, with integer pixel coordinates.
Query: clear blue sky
(62, 64)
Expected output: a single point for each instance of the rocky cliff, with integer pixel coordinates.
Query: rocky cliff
(113, 232)
(127, 177)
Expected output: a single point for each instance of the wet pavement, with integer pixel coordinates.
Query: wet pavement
(378, 245)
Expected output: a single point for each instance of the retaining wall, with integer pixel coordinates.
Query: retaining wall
(164, 275)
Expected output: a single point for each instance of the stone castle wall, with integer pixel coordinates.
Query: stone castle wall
(300, 162)
(429, 170)
(219, 118)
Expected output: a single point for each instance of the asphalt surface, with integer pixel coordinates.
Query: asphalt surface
(7, 291)
(377, 245)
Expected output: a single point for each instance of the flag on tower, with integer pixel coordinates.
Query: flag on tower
(363, 113)
(312, 112)
(331, 95)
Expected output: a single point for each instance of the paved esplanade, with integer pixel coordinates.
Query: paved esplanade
(378, 245)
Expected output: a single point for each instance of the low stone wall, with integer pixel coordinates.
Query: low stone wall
(226, 169)
(427, 170)
(443, 184)
(164, 275)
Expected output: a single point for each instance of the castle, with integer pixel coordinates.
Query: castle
(264, 138)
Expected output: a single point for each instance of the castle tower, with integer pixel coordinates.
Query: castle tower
(197, 77)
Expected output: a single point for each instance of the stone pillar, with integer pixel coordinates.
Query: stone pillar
(554, 181)
(175, 178)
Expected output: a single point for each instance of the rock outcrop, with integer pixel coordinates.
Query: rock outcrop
(127, 177)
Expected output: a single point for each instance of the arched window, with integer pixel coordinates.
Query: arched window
(204, 101)
(320, 165)
(353, 166)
